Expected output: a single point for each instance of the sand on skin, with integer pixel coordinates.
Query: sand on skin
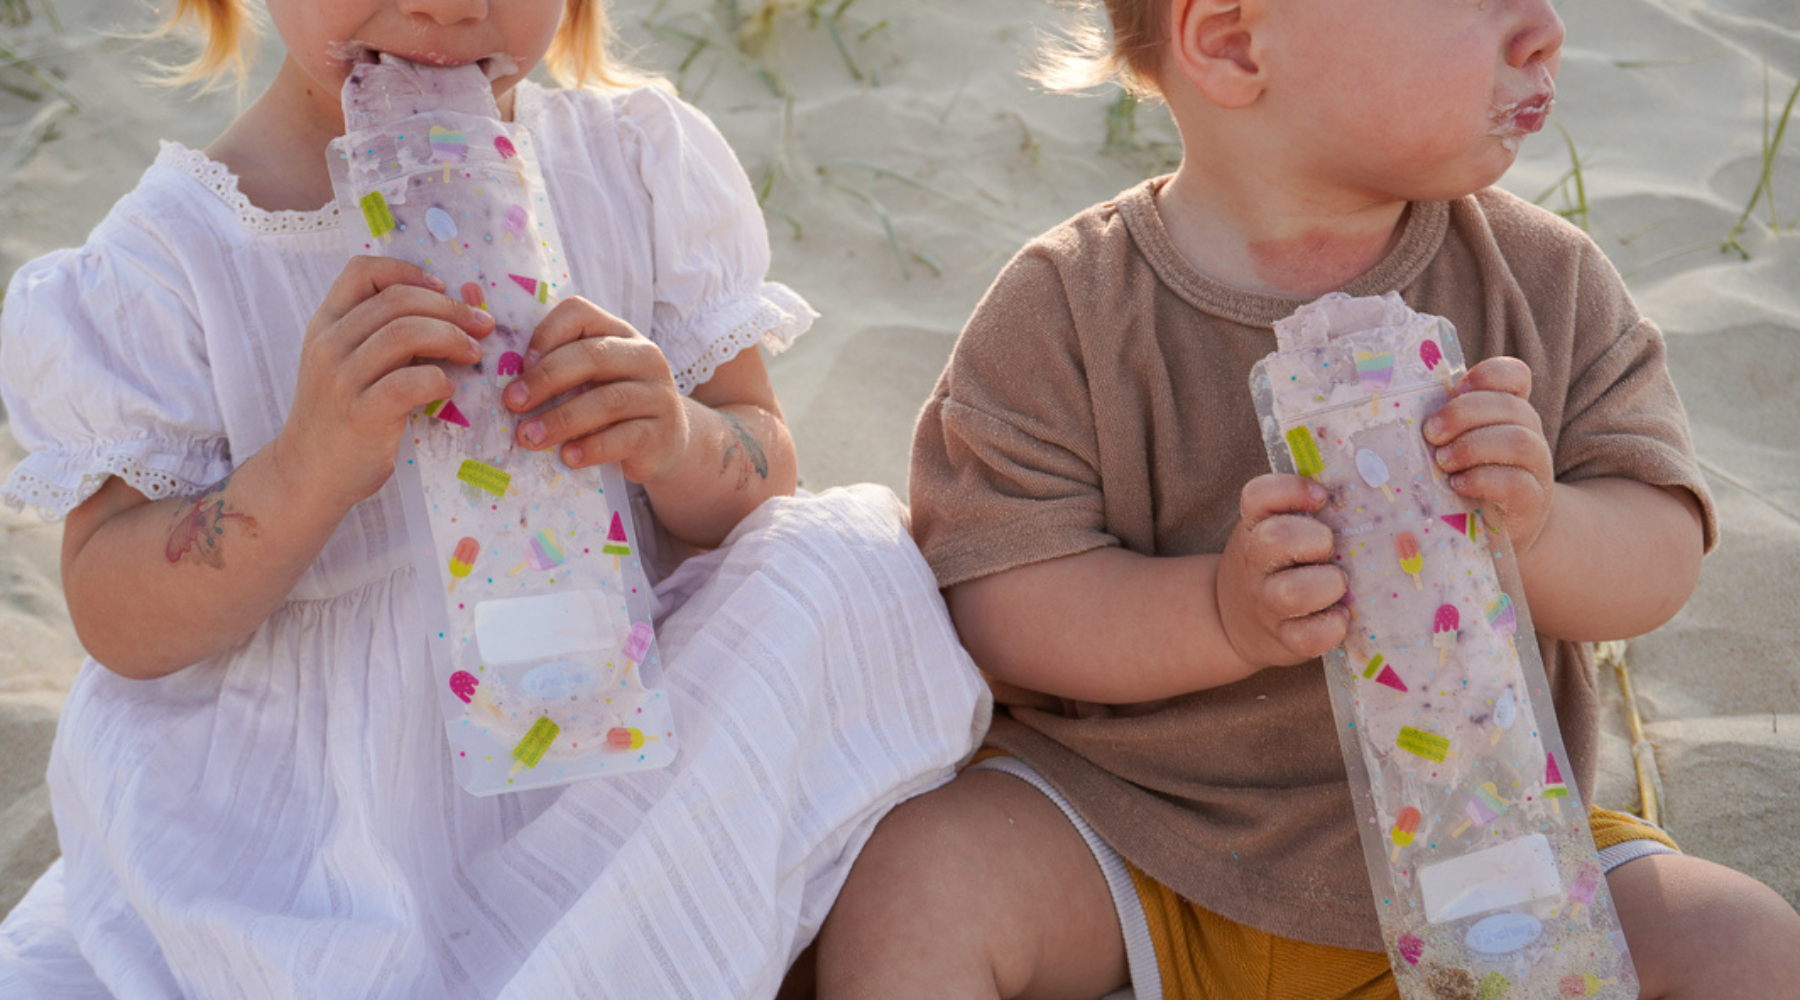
(928, 125)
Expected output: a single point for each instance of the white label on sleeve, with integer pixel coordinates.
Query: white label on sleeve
(1514, 872)
(530, 628)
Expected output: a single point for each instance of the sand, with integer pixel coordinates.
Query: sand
(906, 167)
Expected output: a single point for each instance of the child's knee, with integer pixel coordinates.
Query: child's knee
(1696, 928)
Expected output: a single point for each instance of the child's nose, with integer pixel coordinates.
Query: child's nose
(1539, 37)
(446, 11)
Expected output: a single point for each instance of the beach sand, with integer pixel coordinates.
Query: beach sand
(905, 160)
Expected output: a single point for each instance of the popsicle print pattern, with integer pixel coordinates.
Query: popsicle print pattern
(1443, 708)
(542, 642)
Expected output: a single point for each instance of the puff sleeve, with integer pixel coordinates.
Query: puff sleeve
(103, 371)
(711, 247)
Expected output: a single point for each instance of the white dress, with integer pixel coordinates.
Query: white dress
(281, 820)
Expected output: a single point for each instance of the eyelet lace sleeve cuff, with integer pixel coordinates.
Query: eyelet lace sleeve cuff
(775, 314)
(54, 484)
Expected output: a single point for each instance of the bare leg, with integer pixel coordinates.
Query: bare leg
(1699, 930)
(981, 888)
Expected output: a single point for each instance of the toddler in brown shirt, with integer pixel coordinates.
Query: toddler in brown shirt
(1163, 801)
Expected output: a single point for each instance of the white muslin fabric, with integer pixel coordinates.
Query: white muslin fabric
(281, 820)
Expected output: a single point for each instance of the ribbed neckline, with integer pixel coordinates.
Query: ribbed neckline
(1421, 236)
(221, 181)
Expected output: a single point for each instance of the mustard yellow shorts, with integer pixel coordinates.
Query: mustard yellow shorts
(1179, 951)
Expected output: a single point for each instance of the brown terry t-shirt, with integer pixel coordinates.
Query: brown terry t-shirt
(1100, 396)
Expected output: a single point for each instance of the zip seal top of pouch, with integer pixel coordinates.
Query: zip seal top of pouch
(1482, 865)
(537, 610)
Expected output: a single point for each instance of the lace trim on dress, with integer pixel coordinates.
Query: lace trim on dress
(776, 316)
(25, 488)
(221, 181)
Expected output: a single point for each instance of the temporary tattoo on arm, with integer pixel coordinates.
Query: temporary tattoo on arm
(200, 527)
(752, 452)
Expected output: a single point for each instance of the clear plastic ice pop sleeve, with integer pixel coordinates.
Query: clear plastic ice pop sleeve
(1483, 868)
(537, 612)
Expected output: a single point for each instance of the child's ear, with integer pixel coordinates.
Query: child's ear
(1215, 48)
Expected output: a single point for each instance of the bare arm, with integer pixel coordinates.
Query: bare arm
(156, 586)
(1604, 558)
(1114, 627)
(1616, 559)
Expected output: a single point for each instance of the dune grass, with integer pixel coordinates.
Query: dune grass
(1774, 129)
(23, 78)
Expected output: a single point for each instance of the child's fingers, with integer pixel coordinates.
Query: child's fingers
(365, 277)
(1495, 444)
(1303, 591)
(1508, 375)
(1314, 635)
(601, 360)
(403, 390)
(619, 442)
(1508, 487)
(396, 344)
(1287, 540)
(1274, 494)
(396, 303)
(597, 408)
(1469, 411)
(574, 319)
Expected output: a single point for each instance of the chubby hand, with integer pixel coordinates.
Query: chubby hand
(1277, 589)
(361, 373)
(630, 411)
(1491, 443)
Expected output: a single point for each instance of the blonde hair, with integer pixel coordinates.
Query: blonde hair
(578, 55)
(1085, 56)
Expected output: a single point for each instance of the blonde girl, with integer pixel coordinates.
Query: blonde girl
(251, 783)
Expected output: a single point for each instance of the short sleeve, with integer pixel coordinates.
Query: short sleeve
(1006, 459)
(1623, 416)
(712, 296)
(103, 373)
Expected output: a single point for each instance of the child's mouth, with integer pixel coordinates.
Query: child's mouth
(493, 66)
(1522, 118)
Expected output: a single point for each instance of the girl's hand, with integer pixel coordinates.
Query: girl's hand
(1277, 589)
(632, 414)
(1491, 442)
(360, 374)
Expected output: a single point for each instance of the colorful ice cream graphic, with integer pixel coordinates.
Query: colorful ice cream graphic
(1307, 460)
(537, 741)
(1373, 471)
(541, 553)
(484, 477)
(463, 685)
(1411, 560)
(1553, 781)
(539, 289)
(617, 544)
(624, 739)
(443, 227)
(463, 560)
(378, 216)
(471, 294)
(1482, 808)
(1375, 370)
(448, 146)
(446, 411)
(1406, 826)
(1443, 627)
(637, 643)
(514, 222)
(1504, 619)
